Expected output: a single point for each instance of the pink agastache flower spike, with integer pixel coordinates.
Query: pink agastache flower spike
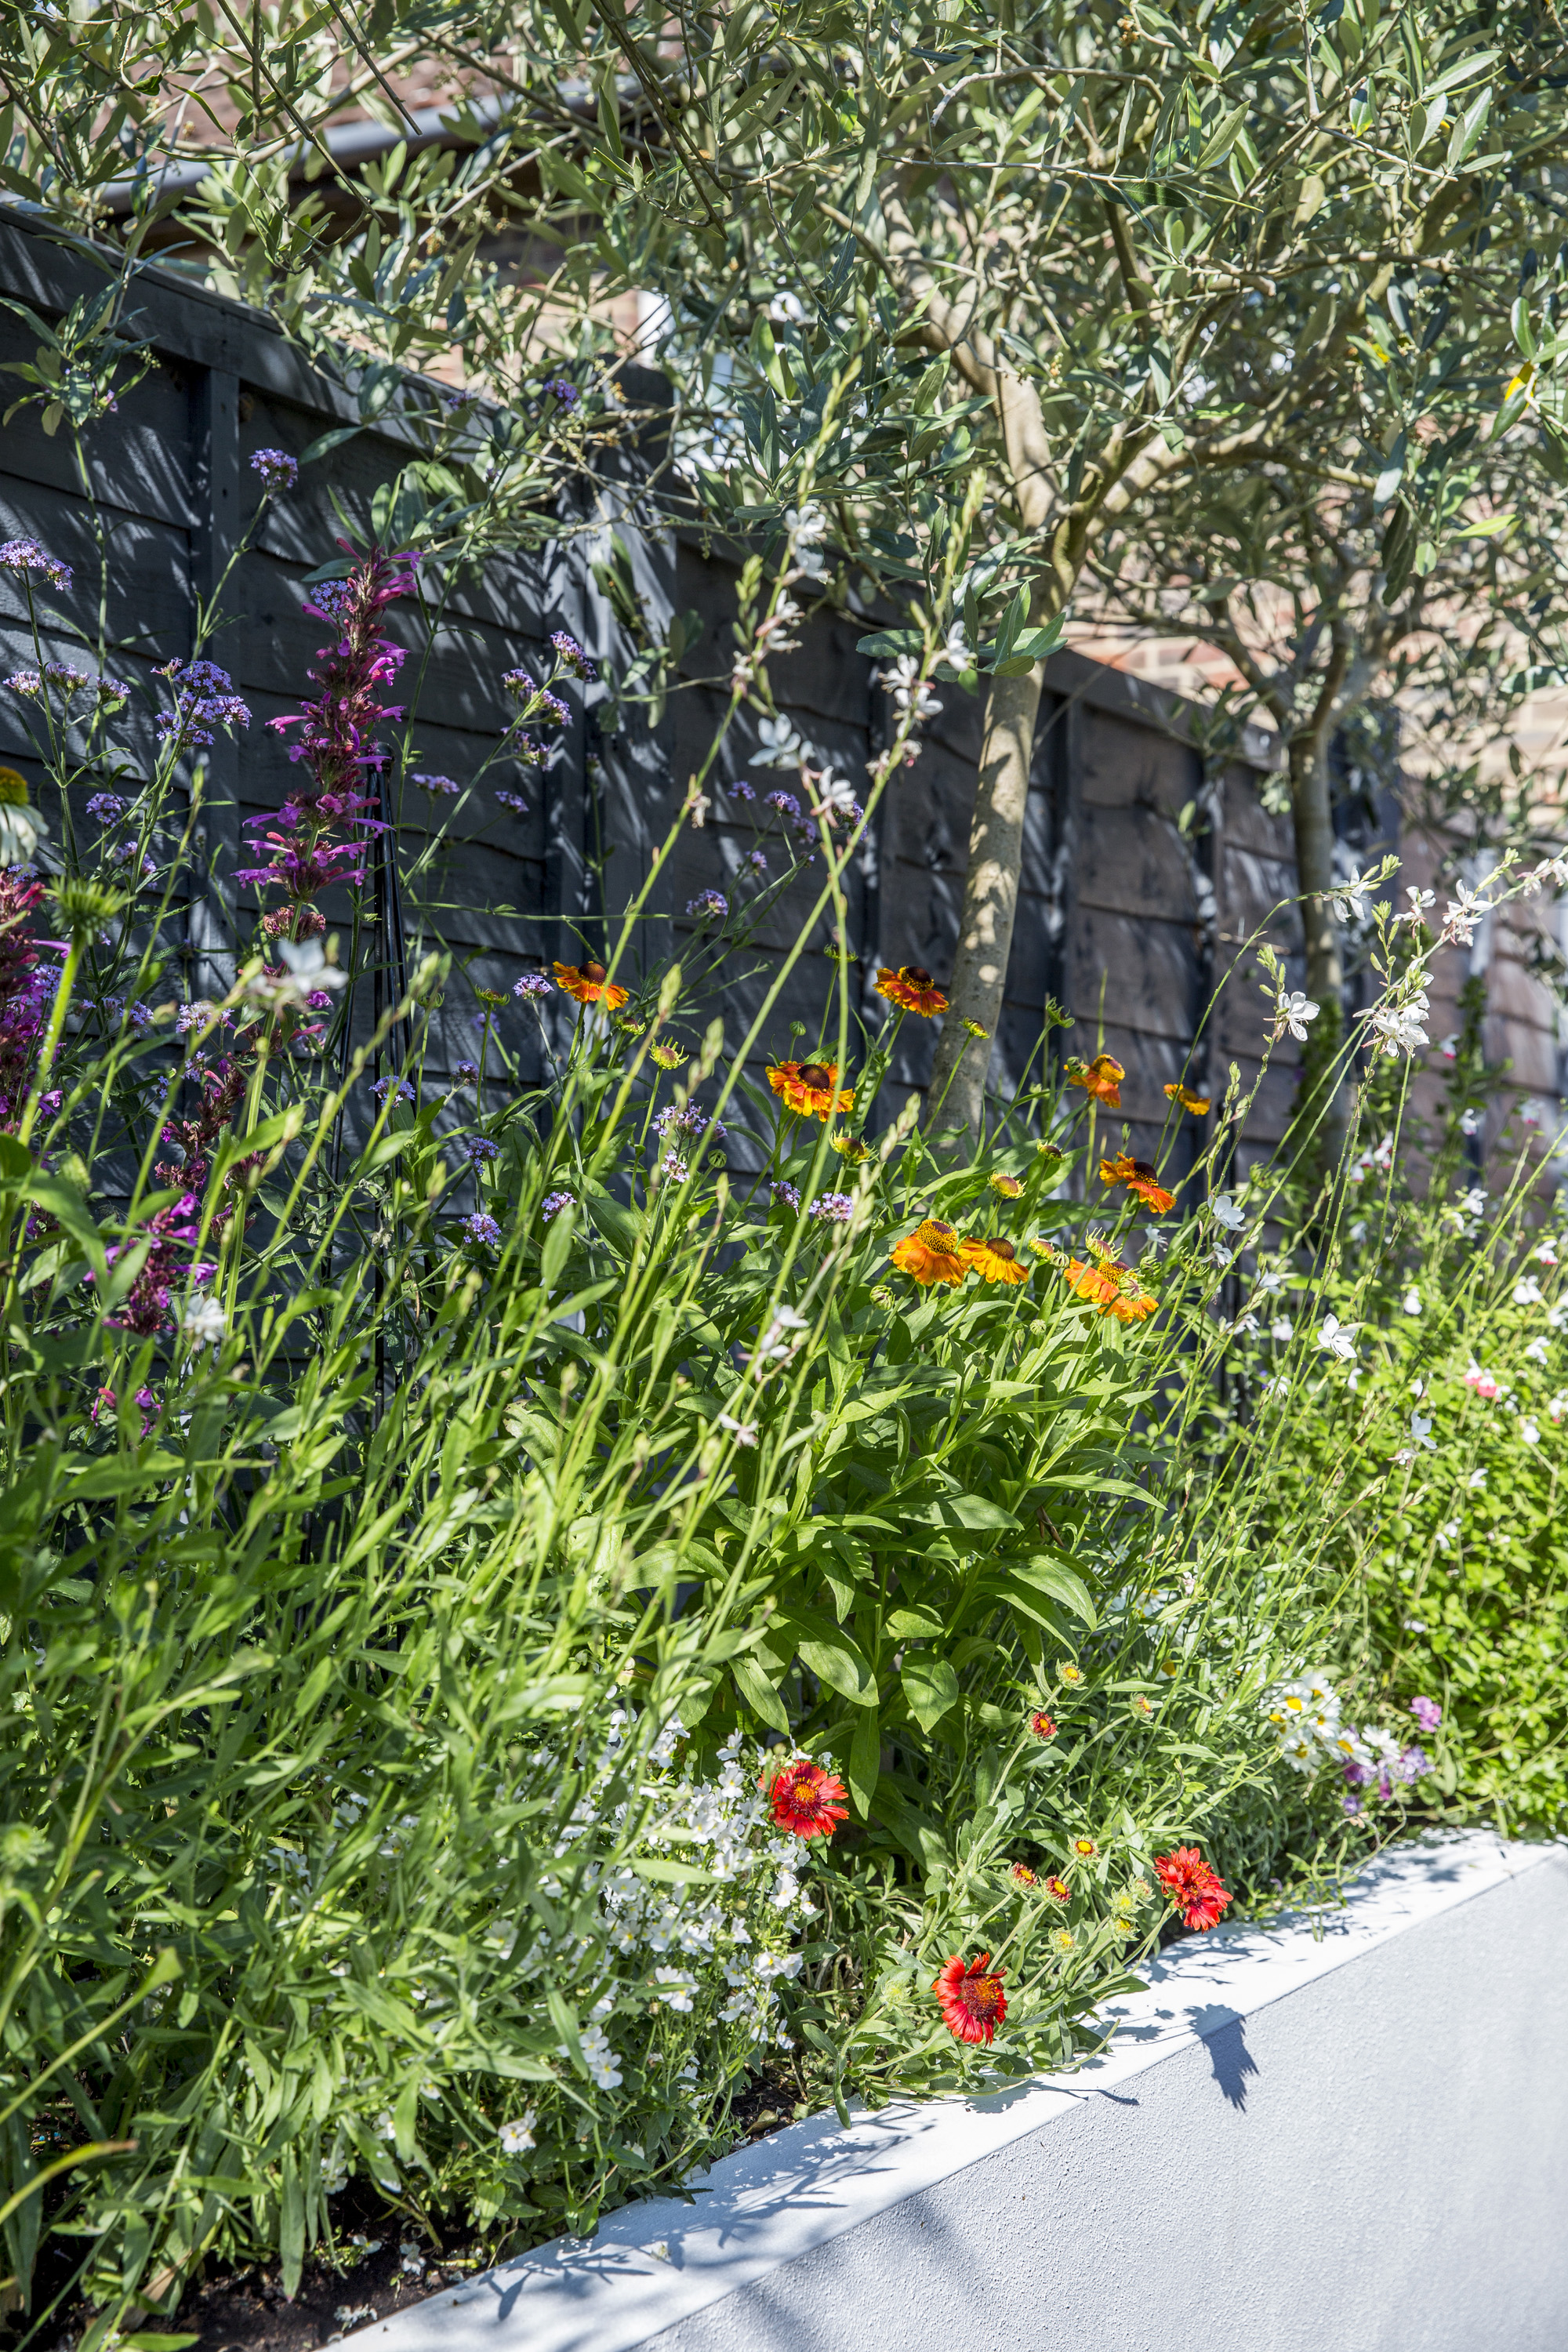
(323, 835)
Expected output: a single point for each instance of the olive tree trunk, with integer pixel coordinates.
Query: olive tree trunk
(990, 900)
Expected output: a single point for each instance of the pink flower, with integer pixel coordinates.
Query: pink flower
(1485, 1384)
(1427, 1713)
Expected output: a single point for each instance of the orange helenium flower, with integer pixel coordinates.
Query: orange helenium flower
(1094, 1283)
(995, 1261)
(1101, 1079)
(1060, 1888)
(805, 1799)
(1139, 1177)
(1197, 1103)
(972, 2001)
(912, 990)
(588, 983)
(1108, 1286)
(1191, 1886)
(933, 1253)
(810, 1088)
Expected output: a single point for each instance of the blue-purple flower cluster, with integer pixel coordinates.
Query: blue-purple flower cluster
(554, 1203)
(27, 555)
(480, 1228)
(277, 470)
(444, 787)
(833, 1208)
(513, 800)
(533, 983)
(709, 906)
(480, 1151)
(787, 1194)
(203, 698)
(398, 1087)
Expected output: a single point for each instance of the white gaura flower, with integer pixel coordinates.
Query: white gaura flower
(1478, 1478)
(1347, 899)
(1419, 902)
(744, 1432)
(1529, 1432)
(1461, 915)
(1295, 1012)
(1448, 1533)
(1223, 1212)
(1538, 1350)
(1527, 1292)
(306, 971)
(1282, 1330)
(956, 654)
(1339, 1337)
(1412, 1301)
(1397, 1028)
(203, 1321)
(781, 744)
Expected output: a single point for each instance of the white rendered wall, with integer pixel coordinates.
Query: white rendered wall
(1348, 2135)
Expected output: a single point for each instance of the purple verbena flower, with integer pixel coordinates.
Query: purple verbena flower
(533, 983)
(529, 752)
(1415, 1763)
(1351, 1806)
(833, 1208)
(674, 1168)
(444, 786)
(277, 470)
(561, 388)
(554, 1203)
(27, 555)
(398, 1087)
(785, 804)
(708, 905)
(739, 790)
(469, 1071)
(107, 808)
(480, 1228)
(513, 800)
(204, 699)
(572, 658)
(757, 859)
(785, 1193)
(480, 1151)
(1427, 1713)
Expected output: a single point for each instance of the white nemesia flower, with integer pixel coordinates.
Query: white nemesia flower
(1527, 1292)
(1529, 1432)
(519, 2135)
(1447, 1534)
(1412, 1301)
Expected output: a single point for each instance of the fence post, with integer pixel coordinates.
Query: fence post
(213, 915)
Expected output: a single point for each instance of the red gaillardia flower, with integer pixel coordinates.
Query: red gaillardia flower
(1140, 1180)
(1041, 1724)
(1024, 1876)
(912, 990)
(589, 984)
(1101, 1079)
(933, 1253)
(805, 1799)
(1084, 1846)
(810, 1088)
(1060, 1888)
(1191, 1886)
(972, 2001)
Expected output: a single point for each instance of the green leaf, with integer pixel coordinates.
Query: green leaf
(930, 1687)
(865, 1759)
(759, 1694)
(1040, 1573)
(833, 1658)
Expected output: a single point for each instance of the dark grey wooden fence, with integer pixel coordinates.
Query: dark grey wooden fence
(1125, 919)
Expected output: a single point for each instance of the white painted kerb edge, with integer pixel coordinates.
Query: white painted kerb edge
(812, 2196)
